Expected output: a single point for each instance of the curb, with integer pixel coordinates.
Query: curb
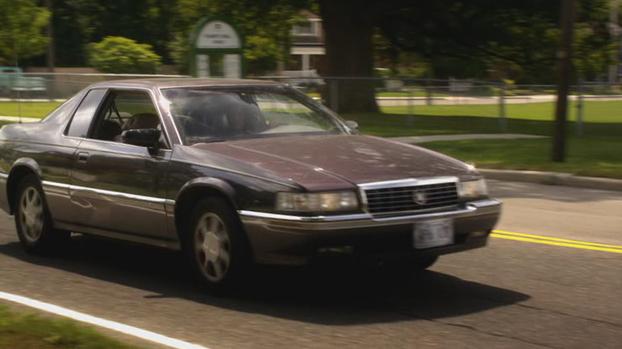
(553, 178)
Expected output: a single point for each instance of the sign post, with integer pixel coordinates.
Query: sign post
(216, 50)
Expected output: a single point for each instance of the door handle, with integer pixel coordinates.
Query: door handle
(83, 157)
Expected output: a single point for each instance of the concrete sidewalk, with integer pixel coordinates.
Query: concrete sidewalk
(18, 119)
(461, 137)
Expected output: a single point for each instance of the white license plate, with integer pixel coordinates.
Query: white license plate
(433, 233)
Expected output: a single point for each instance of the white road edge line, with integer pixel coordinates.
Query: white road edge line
(111, 325)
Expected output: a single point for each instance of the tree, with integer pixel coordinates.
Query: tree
(22, 30)
(564, 68)
(464, 39)
(349, 27)
(80, 22)
(117, 54)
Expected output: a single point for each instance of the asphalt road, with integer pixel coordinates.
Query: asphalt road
(511, 294)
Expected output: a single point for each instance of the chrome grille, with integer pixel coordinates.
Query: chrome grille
(411, 198)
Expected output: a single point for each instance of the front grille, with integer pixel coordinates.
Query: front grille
(411, 198)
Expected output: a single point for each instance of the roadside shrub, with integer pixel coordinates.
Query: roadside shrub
(116, 54)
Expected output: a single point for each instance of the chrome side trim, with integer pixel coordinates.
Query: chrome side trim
(109, 193)
(361, 220)
(408, 182)
(55, 184)
(169, 244)
(118, 194)
(293, 218)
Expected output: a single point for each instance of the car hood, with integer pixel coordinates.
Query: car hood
(337, 161)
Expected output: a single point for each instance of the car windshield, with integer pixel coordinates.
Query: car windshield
(205, 115)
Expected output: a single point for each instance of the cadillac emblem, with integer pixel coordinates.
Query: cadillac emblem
(420, 197)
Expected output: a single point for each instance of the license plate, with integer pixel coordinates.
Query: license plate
(433, 233)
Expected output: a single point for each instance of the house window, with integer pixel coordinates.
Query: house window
(304, 28)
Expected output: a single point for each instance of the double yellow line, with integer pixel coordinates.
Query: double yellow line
(547, 240)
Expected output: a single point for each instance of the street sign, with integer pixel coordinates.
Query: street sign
(217, 50)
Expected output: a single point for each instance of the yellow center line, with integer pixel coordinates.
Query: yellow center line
(547, 240)
(550, 238)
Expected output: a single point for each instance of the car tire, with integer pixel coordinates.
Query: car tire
(33, 221)
(215, 245)
(425, 262)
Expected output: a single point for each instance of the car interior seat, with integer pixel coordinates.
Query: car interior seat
(108, 130)
(142, 121)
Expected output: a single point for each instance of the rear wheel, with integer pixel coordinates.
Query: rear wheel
(215, 245)
(32, 218)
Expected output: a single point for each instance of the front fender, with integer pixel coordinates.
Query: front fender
(209, 183)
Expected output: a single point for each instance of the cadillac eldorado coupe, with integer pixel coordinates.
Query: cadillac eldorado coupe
(234, 172)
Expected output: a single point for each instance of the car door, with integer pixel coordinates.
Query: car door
(117, 187)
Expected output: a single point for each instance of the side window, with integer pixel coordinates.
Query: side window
(83, 116)
(125, 110)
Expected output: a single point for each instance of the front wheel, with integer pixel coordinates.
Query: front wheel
(32, 218)
(215, 245)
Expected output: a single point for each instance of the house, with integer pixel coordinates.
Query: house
(307, 49)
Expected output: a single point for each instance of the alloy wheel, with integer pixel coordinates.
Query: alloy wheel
(31, 214)
(212, 247)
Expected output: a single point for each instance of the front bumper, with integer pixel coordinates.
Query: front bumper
(295, 240)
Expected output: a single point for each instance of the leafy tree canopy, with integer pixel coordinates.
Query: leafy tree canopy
(80, 22)
(499, 39)
(22, 30)
(117, 54)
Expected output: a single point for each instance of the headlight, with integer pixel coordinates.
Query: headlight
(317, 202)
(472, 189)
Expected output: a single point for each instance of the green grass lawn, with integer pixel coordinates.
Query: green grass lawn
(597, 157)
(393, 125)
(27, 109)
(29, 330)
(597, 153)
(595, 111)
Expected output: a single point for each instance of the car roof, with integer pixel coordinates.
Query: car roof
(182, 82)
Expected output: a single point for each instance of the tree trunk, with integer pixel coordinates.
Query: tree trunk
(563, 85)
(348, 28)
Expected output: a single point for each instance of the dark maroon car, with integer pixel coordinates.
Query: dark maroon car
(234, 172)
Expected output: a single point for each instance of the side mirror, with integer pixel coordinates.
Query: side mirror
(352, 125)
(148, 137)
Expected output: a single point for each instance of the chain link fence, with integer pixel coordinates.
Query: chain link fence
(595, 102)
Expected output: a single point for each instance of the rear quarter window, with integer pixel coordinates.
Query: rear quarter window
(62, 112)
(83, 117)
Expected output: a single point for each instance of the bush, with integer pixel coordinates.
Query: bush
(116, 54)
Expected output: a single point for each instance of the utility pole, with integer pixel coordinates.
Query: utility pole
(564, 68)
(614, 31)
(50, 35)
